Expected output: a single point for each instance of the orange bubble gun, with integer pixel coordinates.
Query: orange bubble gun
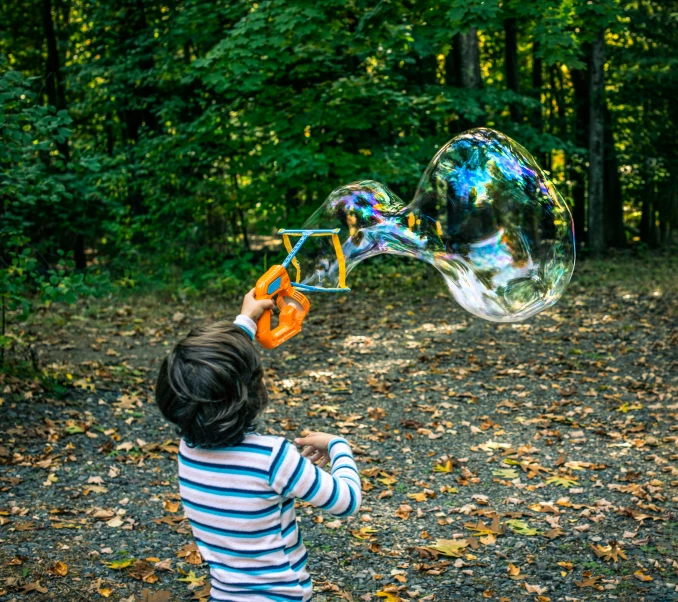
(292, 303)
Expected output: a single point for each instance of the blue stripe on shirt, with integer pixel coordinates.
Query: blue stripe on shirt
(231, 513)
(267, 585)
(242, 534)
(270, 596)
(277, 461)
(333, 498)
(249, 448)
(351, 506)
(222, 468)
(289, 528)
(335, 442)
(271, 568)
(238, 553)
(314, 488)
(226, 491)
(296, 475)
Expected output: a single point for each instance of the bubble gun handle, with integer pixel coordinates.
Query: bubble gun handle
(292, 304)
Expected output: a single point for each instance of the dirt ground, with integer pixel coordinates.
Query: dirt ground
(532, 461)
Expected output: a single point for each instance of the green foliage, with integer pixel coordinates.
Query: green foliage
(33, 191)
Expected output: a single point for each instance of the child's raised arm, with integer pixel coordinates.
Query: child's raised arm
(292, 475)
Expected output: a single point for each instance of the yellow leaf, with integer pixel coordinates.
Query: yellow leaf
(117, 565)
(562, 481)
(417, 497)
(449, 547)
(513, 570)
(447, 467)
(170, 506)
(60, 569)
(364, 533)
(612, 551)
(389, 596)
(192, 579)
(642, 576)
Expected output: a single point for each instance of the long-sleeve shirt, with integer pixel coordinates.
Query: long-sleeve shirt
(240, 503)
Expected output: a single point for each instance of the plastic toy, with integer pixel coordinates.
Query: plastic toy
(292, 303)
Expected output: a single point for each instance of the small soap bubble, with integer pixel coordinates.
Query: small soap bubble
(484, 215)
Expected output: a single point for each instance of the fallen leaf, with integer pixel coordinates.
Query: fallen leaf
(449, 547)
(33, 587)
(613, 551)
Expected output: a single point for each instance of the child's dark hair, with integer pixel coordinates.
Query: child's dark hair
(211, 386)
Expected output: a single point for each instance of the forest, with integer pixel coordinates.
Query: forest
(155, 142)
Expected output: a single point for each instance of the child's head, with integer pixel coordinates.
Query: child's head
(211, 386)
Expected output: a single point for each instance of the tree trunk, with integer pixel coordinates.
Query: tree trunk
(615, 236)
(648, 228)
(465, 48)
(137, 114)
(537, 83)
(511, 63)
(453, 63)
(470, 60)
(56, 97)
(596, 146)
(581, 84)
(53, 83)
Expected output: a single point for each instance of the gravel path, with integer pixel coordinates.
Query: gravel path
(533, 461)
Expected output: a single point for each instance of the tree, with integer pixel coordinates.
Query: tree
(596, 214)
(511, 62)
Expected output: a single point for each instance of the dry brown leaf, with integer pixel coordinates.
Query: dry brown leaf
(60, 569)
(159, 596)
(641, 576)
(513, 570)
(613, 551)
(590, 581)
(33, 587)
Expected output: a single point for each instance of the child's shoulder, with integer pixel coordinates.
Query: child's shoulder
(260, 445)
(266, 443)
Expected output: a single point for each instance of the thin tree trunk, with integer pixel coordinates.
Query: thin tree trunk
(647, 217)
(537, 88)
(614, 206)
(453, 79)
(243, 228)
(53, 83)
(581, 84)
(511, 63)
(596, 239)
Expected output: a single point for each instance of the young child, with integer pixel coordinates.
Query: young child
(238, 487)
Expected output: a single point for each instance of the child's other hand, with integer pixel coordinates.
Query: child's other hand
(315, 447)
(254, 308)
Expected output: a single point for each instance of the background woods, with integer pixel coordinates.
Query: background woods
(144, 139)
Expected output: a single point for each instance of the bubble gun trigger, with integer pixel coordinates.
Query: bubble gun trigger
(293, 306)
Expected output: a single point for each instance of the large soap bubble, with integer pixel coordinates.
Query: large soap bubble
(484, 214)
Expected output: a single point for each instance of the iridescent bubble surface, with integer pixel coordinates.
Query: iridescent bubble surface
(484, 214)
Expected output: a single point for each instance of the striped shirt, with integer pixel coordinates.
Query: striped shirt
(239, 501)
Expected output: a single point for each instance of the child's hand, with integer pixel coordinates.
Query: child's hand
(315, 447)
(254, 308)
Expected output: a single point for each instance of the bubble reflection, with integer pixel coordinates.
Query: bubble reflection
(484, 214)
